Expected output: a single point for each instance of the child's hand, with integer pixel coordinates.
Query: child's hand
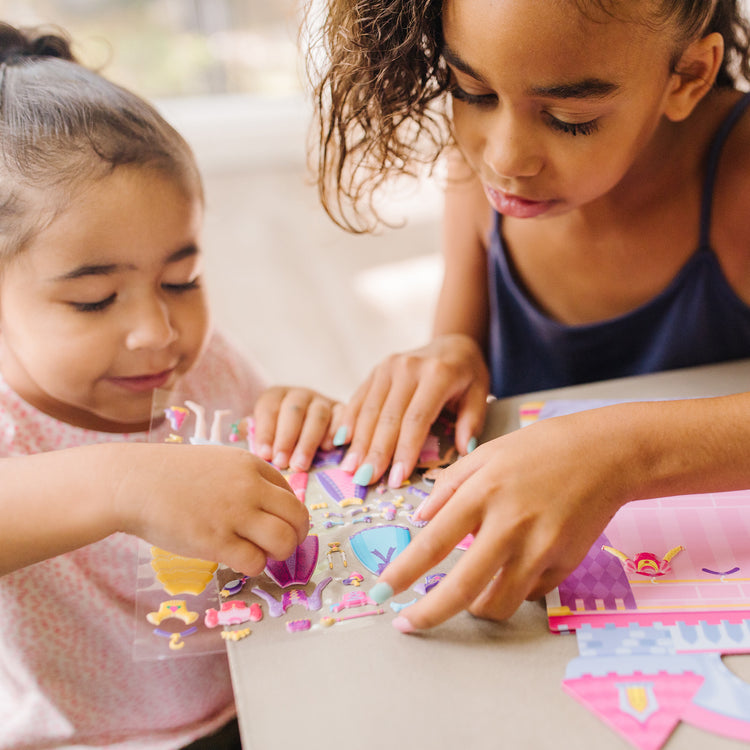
(390, 415)
(213, 502)
(291, 424)
(536, 500)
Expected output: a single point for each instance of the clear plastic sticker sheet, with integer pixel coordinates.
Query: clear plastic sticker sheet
(172, 596)
(322, 587)
(173, 592)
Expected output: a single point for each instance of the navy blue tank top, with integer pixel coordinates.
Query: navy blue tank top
(696, 320)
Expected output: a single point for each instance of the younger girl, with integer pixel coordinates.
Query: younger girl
(601, 182)
(101, 302)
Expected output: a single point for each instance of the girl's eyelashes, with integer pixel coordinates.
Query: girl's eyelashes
(93, 306)
(103, 304)
(488, 100)
(573, 128)
(478, 100)
(185, 287)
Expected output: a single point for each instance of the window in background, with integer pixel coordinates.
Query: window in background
(166, 48)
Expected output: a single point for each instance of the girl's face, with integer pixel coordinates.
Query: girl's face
(105, 303)
(551, 108)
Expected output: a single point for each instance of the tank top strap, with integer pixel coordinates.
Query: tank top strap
(714, 155)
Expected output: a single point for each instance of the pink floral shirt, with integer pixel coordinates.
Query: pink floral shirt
(67, 676)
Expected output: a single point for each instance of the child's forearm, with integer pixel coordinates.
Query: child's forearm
(680, 447)
(54, 502)
(214, 502)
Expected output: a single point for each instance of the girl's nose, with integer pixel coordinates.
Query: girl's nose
(510, 150)
(150, 326)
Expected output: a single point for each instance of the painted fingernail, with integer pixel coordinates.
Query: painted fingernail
(396, 477)
(471, 445)
(403, 625)
(363, 476)
(380, 592)
(339, 438)
(350, 462)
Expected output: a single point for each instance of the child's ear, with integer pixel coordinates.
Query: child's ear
(694, 75)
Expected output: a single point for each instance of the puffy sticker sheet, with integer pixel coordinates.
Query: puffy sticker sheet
(188, 606)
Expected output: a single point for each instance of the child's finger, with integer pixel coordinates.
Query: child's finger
(291, 417)
(333, 439)
(314, 431)
(344, 422)
(458, 589)
(388, 432)
(428, 548)
(243, 556)
(281, 503)
(429, 399)
(367, 418)
(273, 535)
(421, 414)
(450, 480)
(265, 416)
(470, 416)
(272, 475)
(507, 590)
(343, 425)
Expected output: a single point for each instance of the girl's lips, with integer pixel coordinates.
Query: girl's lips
(512, 205)
(139, 383)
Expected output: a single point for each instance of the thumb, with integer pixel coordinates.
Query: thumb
(470, 415)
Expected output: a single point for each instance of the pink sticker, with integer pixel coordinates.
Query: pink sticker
(465, 543)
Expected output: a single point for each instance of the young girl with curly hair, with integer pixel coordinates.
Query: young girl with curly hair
(596, 226)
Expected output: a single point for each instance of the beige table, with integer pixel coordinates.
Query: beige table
(466, 685)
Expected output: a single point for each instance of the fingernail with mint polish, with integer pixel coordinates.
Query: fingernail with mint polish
(363, 476)
(472, 444)
(341, 435)
(403, 625)
(380, 592)
(396, 477)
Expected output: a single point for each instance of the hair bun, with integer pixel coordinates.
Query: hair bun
(16, 44)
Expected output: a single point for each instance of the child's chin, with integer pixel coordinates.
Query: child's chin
(137, 420)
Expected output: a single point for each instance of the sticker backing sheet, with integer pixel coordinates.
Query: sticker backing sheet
(662, 594)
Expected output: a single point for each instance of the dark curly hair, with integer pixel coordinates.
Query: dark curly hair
(379, 84)
(63, 125)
